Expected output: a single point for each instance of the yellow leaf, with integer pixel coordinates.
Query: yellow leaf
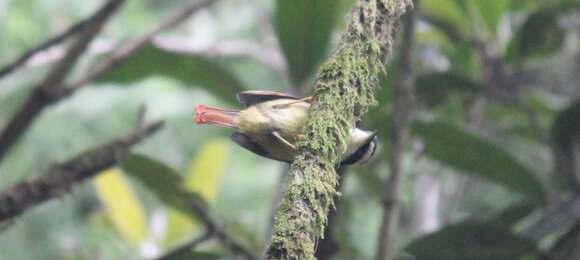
(204, 177)
(180, 227)
(206, 169)
(121, 205)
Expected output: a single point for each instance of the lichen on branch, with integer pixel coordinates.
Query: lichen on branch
(344, 90)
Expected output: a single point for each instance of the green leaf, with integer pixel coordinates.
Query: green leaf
(448, 12)
(473, 155)
(433, 88)
(519, 5)
(512, 215)
(566, 135)
(304, 28)
(458, 46)
(471, 241)
(566, 247)
(121, 205)
(191, 69)
(179, 226)
(540, 34)
(444, 26)
(206, 169)
(163, 181)
(491, 11)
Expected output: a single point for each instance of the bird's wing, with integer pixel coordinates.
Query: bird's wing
(252, 97)
(247, 143)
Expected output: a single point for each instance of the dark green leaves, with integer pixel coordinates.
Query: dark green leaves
(447, 12)
(539, 35)
(304, 28)
(433, 88)
(566, 136)
(491, 11)
(471, 154)
(511, 216)
(488, 238)
(163, 181)
(471, 241)
(189, 68)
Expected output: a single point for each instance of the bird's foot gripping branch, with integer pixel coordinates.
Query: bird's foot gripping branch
(344, 90)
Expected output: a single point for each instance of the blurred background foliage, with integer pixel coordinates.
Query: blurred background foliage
(492, 170)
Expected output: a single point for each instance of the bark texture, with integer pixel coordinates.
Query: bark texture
(344, 90)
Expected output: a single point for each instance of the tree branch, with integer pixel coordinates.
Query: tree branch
(216, 230)
(344, 89)
(212, 229)
(60, 178)
(559, 249)
(101, 15)
(267, 55)
(50, 89)
(125, 50)
(402, 94)
(187, 247)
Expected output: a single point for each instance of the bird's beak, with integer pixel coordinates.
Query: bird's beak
(373, 135)
(215, 116)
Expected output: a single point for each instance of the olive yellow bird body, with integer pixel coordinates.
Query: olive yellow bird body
(271, 125)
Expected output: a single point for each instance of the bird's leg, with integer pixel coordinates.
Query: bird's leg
(279, 137)
(285, 105)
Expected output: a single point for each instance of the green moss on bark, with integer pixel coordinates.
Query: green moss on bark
(344, 90)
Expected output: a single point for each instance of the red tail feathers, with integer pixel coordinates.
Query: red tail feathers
(215, 116)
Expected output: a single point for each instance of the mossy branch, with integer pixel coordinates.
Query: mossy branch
(344, 90)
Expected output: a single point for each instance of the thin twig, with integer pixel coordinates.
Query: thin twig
(81, 26)
(212, 230)
(402, 91)
(553, 219)
(558, 250)
(259, 52)
(41, 96)
(212, 227)
(59, 179)
(186, 247)
(125, 50)
(50, 89)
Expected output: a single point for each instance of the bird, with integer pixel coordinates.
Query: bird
(270, 125)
